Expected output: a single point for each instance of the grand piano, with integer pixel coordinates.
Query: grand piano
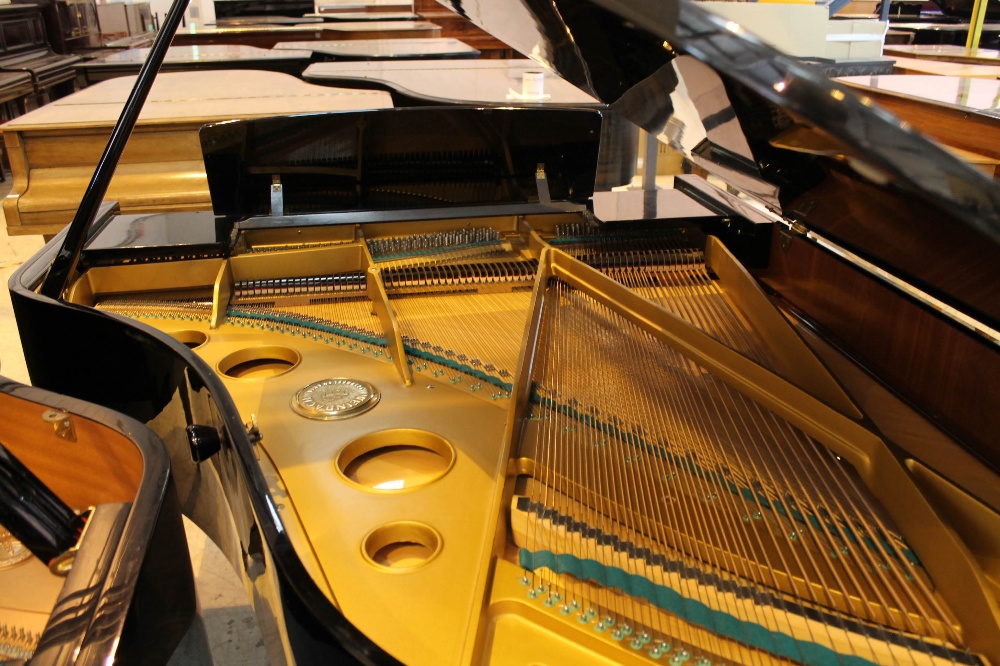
(439, 402)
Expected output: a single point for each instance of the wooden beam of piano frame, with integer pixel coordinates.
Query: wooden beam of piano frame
(518, 410)
(956, 574)
(383, 310)
(222, 292)
(793, 357)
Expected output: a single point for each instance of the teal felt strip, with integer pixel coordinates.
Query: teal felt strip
(295, 321)
(461, 367)
(691, 610)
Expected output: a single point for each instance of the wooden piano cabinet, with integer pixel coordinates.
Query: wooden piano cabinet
(99, 466)
(70, 24)
(129, 568)
(458, 27)
(947, 374)
(16, 89)
(161, 169)
(54, 149)
(973, 130)
(26, 49)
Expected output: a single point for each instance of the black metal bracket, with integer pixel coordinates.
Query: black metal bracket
(204, 440)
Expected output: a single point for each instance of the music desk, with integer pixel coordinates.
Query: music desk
(385, 49)
(488, 82)
(53, 150)
(194, 58)
(960, 112)
(266, 36)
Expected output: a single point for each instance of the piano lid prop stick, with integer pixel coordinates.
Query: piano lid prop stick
(33, 513)
(65, 261)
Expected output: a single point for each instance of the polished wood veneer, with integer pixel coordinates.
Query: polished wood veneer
(942, 107)
(928, 362)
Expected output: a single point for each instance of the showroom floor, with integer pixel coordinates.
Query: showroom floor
(14, 250)
(225, 631)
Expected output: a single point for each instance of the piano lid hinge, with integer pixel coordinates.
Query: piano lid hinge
(62, 424)
(542, 185)
(788, 232)
(253, 433)
(277, 197)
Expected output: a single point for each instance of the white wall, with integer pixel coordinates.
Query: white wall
(798, 30)
(198, 11)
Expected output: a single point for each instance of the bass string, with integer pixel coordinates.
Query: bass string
(683, 405)
(548, 420)
(661, 405)
(832, 568)
(640, 365)
(868, 510)
(637, 284)
(776, 480)
(735, 537)
(634, 482)
(860, 561)
(893, 577)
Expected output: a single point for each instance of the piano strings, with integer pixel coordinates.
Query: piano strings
(461, 298)
(471, 333)
(151, 308)
(348, 322)
(659, 505)
(437, 248)
(669, 270)
(652, 476)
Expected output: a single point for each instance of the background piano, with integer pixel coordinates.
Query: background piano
(26, 49)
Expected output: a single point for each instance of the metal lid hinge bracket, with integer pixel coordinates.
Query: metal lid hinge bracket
(788, 233)
(277, 197)
(542, 185)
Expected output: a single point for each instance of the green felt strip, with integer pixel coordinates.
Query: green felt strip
(295, 321)
(455, 365)
(691, 610)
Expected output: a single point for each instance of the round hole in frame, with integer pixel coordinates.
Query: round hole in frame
(396, 460)
(261, 362)
(401, 546)
(190, 338)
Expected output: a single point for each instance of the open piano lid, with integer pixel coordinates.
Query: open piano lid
(808, 148)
